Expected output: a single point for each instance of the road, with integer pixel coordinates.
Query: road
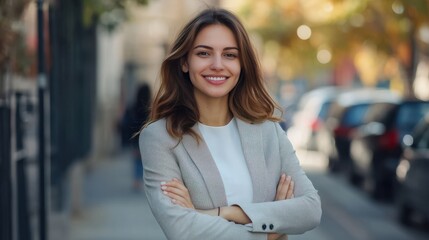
(349, 213)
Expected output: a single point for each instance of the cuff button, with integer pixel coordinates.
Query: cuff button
(271, 226)
(264, 226)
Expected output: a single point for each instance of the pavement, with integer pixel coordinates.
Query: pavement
(112, 210)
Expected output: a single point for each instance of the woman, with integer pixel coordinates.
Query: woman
(217, 164)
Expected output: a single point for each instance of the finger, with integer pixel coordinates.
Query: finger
(290, 190)
(178, 199)
(284, 189)
(280, 186)
(177, 184)
(177, 202)
(177, 191)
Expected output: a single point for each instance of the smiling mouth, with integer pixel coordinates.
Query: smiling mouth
(216, 78)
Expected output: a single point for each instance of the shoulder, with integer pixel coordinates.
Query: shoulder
(157, 126)
(156, 132)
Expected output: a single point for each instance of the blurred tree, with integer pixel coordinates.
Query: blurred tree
(107, 13)
(11, 36)
(344, 28)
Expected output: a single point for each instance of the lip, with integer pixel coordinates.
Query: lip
(215, 79)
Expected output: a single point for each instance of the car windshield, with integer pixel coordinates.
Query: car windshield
(354, 115)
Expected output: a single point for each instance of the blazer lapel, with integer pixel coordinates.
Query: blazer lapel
(200, 155)
(251, 142)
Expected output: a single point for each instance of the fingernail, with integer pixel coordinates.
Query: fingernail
(288, 178)
(162, 183)
(163, 187)
(174, 200)
(165, 192)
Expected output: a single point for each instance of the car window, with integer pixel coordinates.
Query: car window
(354, 115)
(324, 110)
(380, 112)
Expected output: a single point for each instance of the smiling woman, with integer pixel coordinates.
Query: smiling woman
(217, 165)
(214, 68)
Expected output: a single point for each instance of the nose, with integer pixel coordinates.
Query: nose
(217, 63)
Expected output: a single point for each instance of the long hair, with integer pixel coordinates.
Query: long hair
(249, 100)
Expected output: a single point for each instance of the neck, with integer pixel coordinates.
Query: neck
(214, 113)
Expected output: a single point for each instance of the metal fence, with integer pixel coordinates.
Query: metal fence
(70, 78)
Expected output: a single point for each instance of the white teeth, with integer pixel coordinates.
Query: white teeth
(216, 78)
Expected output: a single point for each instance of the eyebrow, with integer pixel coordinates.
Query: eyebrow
(210, 48)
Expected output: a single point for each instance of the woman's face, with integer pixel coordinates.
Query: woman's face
(213, 63)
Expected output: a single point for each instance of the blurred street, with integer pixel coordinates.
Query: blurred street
(112, 210)
(351, 76)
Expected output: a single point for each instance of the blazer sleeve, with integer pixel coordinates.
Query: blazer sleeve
(291, 216)
(177, 222)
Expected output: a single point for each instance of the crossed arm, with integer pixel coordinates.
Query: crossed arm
(179, 195)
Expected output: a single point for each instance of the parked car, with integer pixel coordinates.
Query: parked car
(376, 145)
(412, 175)
(311, 114)
(346, 114)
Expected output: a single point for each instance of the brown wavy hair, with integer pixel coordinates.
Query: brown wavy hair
(249, 100)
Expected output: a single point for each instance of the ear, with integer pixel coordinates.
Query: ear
(185, 67)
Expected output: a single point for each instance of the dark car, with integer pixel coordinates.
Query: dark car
(376, 145)
(311, 114)
(346, 114)
(413, 176)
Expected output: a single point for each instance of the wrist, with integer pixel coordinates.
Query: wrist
(225, 212)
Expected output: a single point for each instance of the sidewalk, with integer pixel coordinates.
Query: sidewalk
(111, 209)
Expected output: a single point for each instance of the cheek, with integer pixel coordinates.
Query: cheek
(237, 69)
(196, 66)
(236, 65)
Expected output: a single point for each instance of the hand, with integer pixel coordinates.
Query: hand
(285, 188)
(178, 193)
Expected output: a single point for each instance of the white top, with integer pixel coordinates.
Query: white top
(225, 147)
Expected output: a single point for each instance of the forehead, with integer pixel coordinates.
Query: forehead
(214, 35)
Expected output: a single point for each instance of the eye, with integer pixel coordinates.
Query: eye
(203, 54)
(231, 55)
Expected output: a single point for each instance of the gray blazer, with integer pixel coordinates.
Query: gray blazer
(268, 153)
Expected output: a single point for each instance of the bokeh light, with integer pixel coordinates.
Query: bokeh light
(304, 32)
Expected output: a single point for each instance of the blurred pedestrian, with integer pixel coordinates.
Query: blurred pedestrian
(217, 165)
(138, 114)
